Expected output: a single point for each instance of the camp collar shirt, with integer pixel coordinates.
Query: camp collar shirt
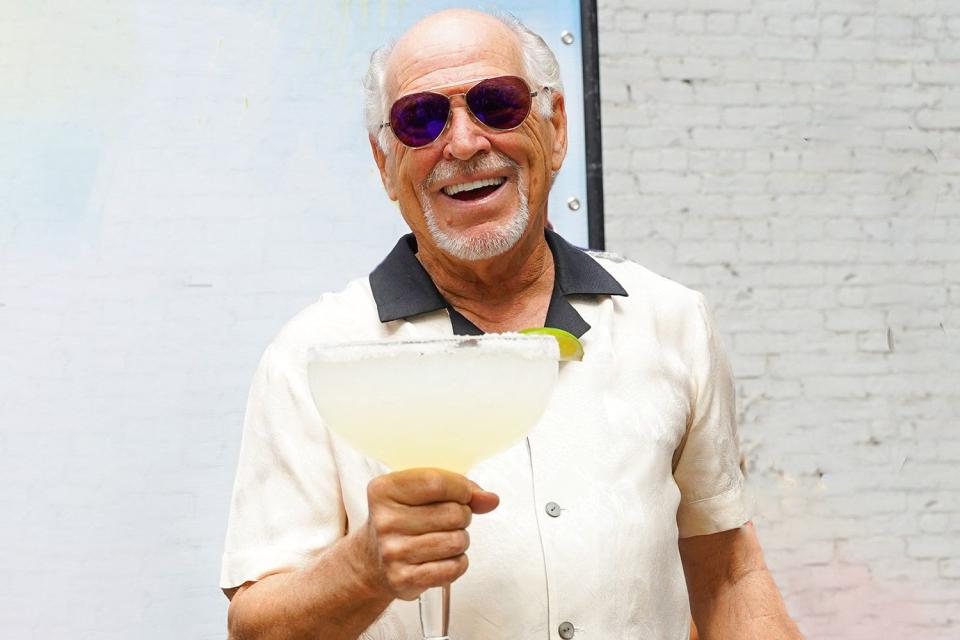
(638, 448)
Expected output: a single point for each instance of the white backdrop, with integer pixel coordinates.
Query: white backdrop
(176, 180)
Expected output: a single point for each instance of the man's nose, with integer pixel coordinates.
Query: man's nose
(465, 137)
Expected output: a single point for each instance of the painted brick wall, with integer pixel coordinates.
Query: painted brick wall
(799, 162)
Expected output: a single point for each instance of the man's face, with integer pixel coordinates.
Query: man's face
(449, 54)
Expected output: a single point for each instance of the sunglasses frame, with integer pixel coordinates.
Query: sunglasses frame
(473, 83)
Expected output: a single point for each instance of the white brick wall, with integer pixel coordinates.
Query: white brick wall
(799, 162)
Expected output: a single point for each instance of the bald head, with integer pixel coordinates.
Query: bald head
(450, 30)
(446, 46)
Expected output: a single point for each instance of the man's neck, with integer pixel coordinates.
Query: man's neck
(505, 293)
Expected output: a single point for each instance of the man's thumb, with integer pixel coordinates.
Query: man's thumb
(483, 501)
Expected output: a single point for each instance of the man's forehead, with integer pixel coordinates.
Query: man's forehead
(452, 47)
(448, 69)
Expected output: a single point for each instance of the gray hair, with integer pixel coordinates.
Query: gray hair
(539, 65)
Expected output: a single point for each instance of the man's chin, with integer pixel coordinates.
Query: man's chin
(480, 242)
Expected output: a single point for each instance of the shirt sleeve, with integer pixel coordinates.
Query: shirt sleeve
(713, 497)
(287, 505)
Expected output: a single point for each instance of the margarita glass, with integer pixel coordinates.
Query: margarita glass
(445, 403)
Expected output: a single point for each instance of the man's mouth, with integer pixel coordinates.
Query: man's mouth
(474, 190)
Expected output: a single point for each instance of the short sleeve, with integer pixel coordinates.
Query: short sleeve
(287, 505)
(707, 471)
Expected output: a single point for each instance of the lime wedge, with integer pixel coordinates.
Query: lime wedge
(570, 347)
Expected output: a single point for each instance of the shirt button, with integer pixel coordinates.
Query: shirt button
(566, 630)
(553, 510)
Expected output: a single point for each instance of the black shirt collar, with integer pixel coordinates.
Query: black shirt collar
(402, 288)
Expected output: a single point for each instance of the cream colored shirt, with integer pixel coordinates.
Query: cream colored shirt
(638, 448)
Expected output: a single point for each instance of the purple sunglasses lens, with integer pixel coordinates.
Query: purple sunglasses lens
(419, 119)
(500, 103)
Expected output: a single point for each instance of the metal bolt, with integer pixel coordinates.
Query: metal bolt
(573, 203)
(566, 37)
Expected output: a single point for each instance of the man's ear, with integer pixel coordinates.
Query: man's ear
(559, 122)
(381, 159)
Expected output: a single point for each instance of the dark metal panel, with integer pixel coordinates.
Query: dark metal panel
(591, 109)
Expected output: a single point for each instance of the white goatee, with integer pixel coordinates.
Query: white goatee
(491, 243)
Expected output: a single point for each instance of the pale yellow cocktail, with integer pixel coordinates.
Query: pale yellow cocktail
(445, 403)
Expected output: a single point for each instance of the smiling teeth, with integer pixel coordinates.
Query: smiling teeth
(468, 186)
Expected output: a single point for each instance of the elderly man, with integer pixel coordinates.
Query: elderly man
(622, 512)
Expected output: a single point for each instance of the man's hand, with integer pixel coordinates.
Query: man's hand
(417, 528)
(414, 539)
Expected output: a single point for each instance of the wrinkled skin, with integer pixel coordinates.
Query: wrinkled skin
(457, 48)
(417, 527)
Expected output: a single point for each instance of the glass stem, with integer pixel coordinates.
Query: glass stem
(435, 613)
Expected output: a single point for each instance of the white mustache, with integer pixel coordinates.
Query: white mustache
(447, 170)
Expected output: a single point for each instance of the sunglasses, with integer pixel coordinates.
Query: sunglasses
(500, 104)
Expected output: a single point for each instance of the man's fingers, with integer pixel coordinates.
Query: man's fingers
(418, 520)
(423, 486)
(428, 547)
(412, 580)
(411, 521)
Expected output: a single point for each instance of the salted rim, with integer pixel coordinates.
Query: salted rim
(528, 346)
